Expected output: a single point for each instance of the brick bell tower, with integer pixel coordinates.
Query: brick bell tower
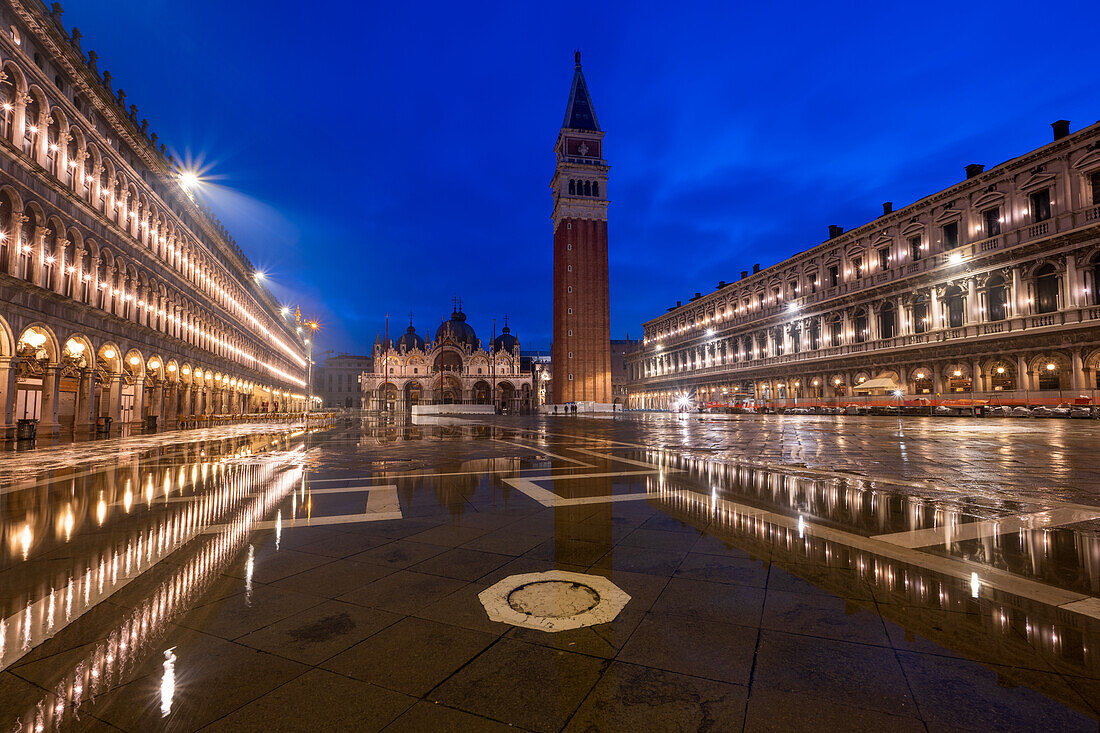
(581, 351)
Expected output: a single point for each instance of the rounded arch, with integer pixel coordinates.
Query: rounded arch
(920, 380)
(7, 339)
(40, 338)
(449, 359)
(1044, 361)
(35, 112)
(481, 392)
(16, 76)
(185, 373)
(110, 356)
(1091, 360)
(134, 363)
(78, 349)
(1051, 371)
(9, 95)
(155, 366)
(1000, 374)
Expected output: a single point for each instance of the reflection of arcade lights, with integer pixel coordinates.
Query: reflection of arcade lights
(129, 643)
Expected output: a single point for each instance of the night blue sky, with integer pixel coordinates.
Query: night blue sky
(382, 157)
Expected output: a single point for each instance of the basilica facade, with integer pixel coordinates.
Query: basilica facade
(989, 289)
(453, 368)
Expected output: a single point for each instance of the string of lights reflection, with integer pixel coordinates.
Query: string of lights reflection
(1057, 635)
(869, 507)
(127, 645)
(92, 579)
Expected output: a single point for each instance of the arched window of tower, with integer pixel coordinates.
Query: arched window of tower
(595, 188)
(572, 186)
(588, 188)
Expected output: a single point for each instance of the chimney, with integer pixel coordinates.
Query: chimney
(835, 231)
(677, 304)
(744, 274)
(721, 284)
(698, 295)
(755, 269)
(974, 169)
(1061, 129)
(887, 207)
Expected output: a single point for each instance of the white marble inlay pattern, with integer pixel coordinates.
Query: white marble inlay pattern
(555, 600)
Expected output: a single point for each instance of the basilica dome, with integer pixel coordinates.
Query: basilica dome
(457, 331)
(505, 341)
(409, 340)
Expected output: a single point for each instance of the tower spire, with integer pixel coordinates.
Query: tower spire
(579, 113)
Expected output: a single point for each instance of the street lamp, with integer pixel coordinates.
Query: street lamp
(313, 325)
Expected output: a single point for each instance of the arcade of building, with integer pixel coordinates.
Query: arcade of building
(986, 289)
(121, 295)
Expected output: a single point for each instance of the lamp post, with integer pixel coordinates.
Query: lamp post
(309, 365)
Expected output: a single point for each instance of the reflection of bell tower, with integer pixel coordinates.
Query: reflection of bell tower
(581, 350)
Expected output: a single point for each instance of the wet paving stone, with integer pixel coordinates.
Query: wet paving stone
(784, 573)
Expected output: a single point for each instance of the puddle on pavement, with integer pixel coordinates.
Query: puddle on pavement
(102, 561)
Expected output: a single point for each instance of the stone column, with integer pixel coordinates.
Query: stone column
(187, 400)
(1072, 284)
(51, 385)
(1078, 371)
(114, 401)
(59, 266)
(7, 396)
(84, 415)
(144, 310)
(972, 301)
(171, 410)
(77, 278)
(139, 402)
(14, 243)
(1023, 382)
(1016, 293)
(38, 254)
(937, 380)
(108, 292)
(977, 378)
(935, 308)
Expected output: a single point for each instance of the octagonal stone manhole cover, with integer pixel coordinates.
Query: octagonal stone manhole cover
(553, 601)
